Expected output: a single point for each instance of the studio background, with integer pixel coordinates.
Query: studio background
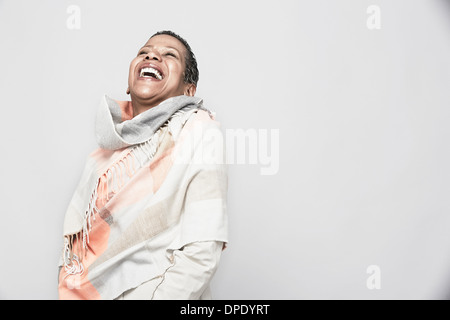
(358, 207)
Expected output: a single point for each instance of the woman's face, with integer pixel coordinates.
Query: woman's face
(157, 72)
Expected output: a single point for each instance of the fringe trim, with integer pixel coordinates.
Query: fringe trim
(112, 180)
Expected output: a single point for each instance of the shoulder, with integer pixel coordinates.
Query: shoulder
(205, 115)
(201, 136)
(202, 125)
(202, 119)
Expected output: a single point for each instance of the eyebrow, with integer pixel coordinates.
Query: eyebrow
(168, 47)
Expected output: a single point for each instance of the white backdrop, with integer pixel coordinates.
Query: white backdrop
(358, 91)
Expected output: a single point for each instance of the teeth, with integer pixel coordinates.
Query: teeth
(148, 72)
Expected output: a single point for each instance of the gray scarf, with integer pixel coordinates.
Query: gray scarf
(113, 133)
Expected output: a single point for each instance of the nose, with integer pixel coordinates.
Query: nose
(153, 55)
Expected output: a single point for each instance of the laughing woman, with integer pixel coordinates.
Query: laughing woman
(148, 218)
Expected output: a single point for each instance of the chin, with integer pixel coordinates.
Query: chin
(146, 93)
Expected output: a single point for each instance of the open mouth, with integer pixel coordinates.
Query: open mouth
(149, 72)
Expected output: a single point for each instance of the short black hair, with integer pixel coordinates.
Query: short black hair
(191, 73)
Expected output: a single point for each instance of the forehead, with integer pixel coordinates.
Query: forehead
(164, 40)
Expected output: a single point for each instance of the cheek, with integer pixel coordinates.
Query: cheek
(177, 71)
(133, 64)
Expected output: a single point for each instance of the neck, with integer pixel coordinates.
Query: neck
(140, 106)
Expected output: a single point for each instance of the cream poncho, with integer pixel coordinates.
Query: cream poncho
(157, 183)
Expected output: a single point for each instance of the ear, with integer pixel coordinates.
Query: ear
(190, 89)
(128, 90)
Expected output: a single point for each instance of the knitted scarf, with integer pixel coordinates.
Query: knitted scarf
(157, 183)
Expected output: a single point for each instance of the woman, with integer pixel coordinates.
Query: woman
(148, 218)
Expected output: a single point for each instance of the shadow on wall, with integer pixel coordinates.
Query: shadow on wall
(446, 6)
(447, 3)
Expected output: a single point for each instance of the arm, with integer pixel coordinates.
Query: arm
(191, 271)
